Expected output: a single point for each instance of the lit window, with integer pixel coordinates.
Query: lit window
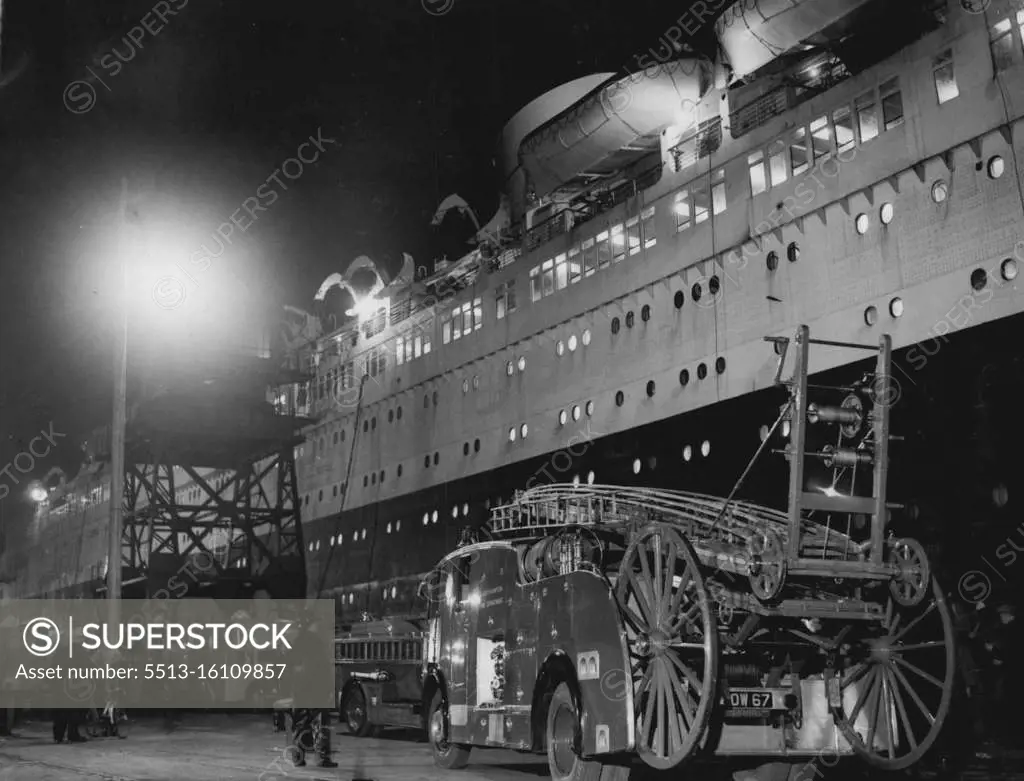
(604, 250)
(867, 116)
(821, 138)
(575, 266)
(705, 448)
(870, 317)
(433, 518)
(590, 478)
(512, 434)
(1008, 269)
(842, 120)
(701, 202)
(945, 79)
(590, 408)
(535, 292)
(589, 257)
(576, 412)
(681, 207)
(505, 299)
(718, 202)
(636, 466)
(586, 337)
(563, 417)
(892, 104)
(510, 368)
(1003, 42)
(862, 223)
(524, 430)
(572, 343)
(896, 307)
(560, 348)
(522, 363)
(996, 166)
(633, 235)
(548, 277)
(618, 244)
(446, 330)
(561, 272)
(758, 182)
(777, 162)
(886, 213)
(647, 222)
(940, 191)
(687, 453)
(798, 152)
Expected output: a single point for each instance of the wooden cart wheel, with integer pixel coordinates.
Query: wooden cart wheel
(767, 565)
(910, 586)
(673, 644)
(890, 694)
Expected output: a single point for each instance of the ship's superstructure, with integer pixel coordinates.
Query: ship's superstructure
(845, 164)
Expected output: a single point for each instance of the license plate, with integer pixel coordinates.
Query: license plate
(751, 698)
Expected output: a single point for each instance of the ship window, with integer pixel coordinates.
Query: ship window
(892, 104)
(615, 325)
(777, 162)
(629, 319)
(996, 166)
(505, 299)
(534, 286)
(702, 371)
(548, 277)
(1003, 42)
(524, 430)
(793, 252)
(560, 348)
(575, 266)
(798, 152)
(647, 220)
(821, 138)
(586, 337)
(758, 183)
(684, 377)
(650, 388)
(772, 260)
(679, 299)
(476, 445)
(561, 272)
(620, 398)
(563, 417)
(446, 329)
(945, 79)
(572, 343)
(681, 207)
(512, 434)
(718, 202)
(604, 250)
(867, 116)
(886, 213)
(842, 119)
(633, 235)
(940, 190)
(589, 258)
(618, 244)
(701, 202)
(1020, 22)
(862, 224)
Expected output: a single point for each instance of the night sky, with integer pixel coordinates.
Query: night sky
(205, 109)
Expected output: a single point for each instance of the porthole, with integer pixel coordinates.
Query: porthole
(786, 427)
(320, 498)
(426, 461)
(398, 526)
(437, 458)
(862, 223)
(705, 448)
(433, 517)
(394, 592)
(366, 480)
(1000, 495)
(334, 490)
(455, 512)
(684, 377)
(426, 519)
(615, 325)
(373, 479)
(720, 364)
(522, 363)
(465, 386)
(399, 470)
(563, 417)
(476, 445)
(476, 382)
(435, 398)
(388, 529)
(512, 434)
(645, 313)
(940, 191)
(524, 430)
(366, 426)
(695, 291)
(763, 433)
(620, 398)
(886, 213)
(590, 408)
(793, 252)
(560, 348)
(397, 415)
(332, 540)
(383, 474)
(573, 343)
(465, 510)
(979, 279)
(636, 466)
(871, 315)
(702, 371)
(575, 481)
(510, 368)
(714, 286)
(576, 412)
(586, 337)
(373, 423)
(772, 260)
(391, 416)
(629, 319)
(679, 299)
(426, 402)
(465, 448)
(896, 307)
(355, 536)
(335, 437)
(996, 166)
(650, 388)
(687, 453)
(590, 477)
(1009, 269)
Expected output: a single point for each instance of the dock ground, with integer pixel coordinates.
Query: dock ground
(244, 747)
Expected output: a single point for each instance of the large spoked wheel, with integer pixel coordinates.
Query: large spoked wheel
(890, 695)
(673, 645)
(353, 710)
(451, 756)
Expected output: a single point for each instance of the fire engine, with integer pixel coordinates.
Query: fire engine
(603, 622)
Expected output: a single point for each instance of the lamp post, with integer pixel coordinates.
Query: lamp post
(117, 434)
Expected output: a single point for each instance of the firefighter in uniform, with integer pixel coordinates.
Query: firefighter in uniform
(311, 727)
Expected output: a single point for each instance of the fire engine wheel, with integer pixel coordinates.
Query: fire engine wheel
(353, 710)
(451, 756)
(564, 760)
(673, 644)
(890, 695)
(910, 586)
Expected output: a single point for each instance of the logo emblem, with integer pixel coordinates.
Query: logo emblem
(41, 637)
